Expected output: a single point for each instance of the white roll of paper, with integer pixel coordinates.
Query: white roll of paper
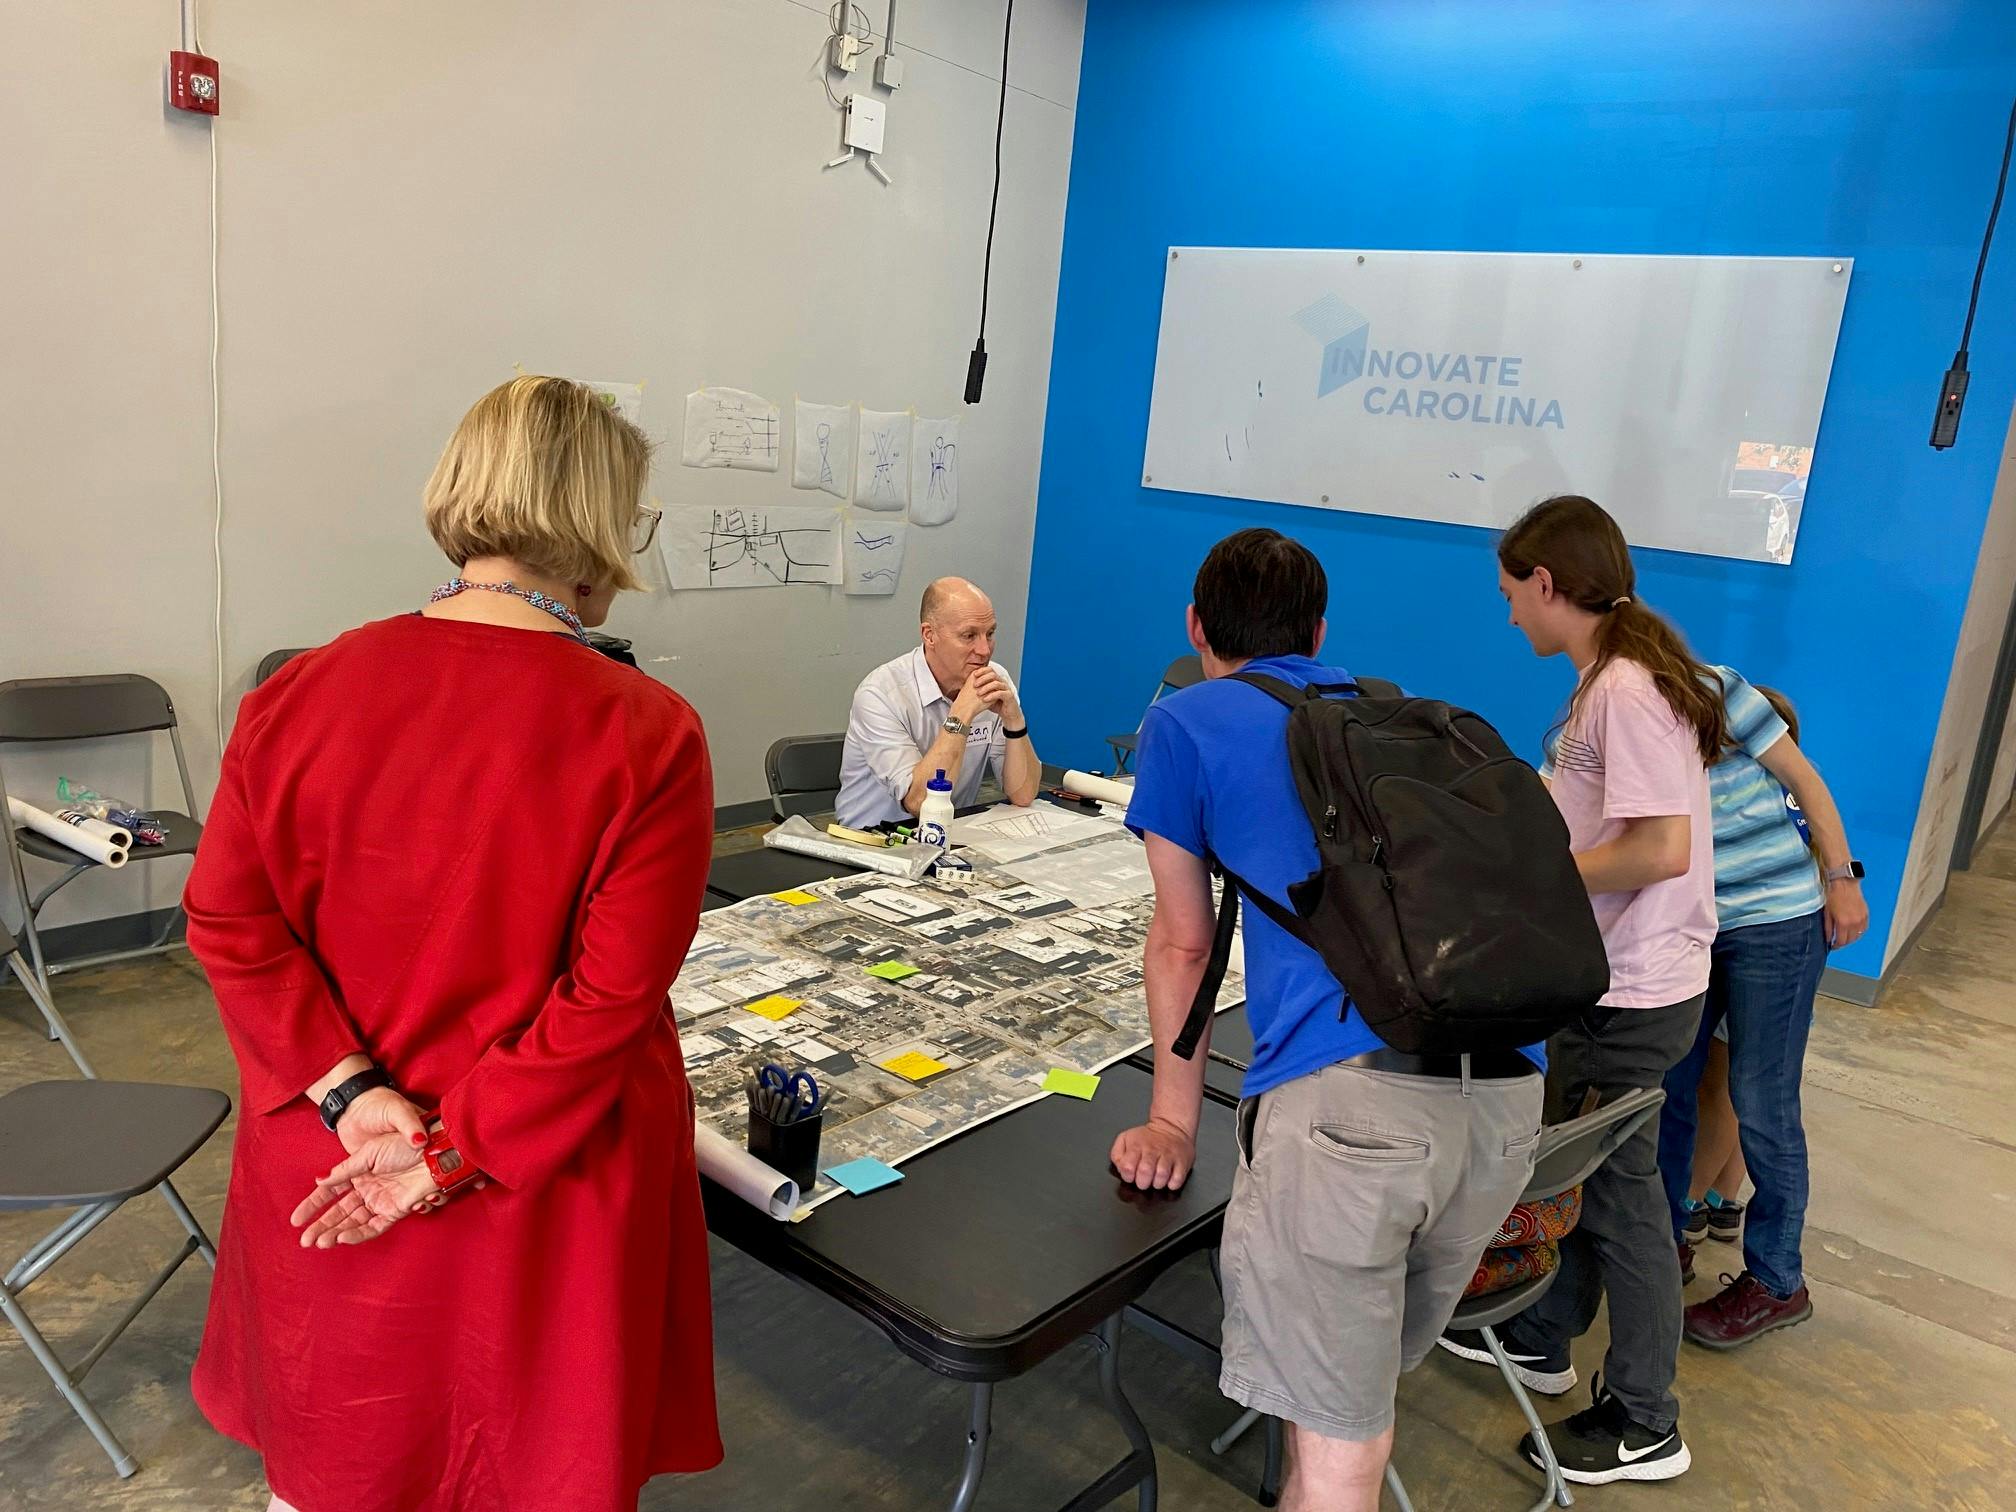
(123, 838)
(86, 844)
(726, 1162)
(796, 834)
(1105, 789)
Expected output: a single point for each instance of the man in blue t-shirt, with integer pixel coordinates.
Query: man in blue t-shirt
(1369, 1181)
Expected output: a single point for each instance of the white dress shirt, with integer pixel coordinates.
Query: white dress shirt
(898, 713)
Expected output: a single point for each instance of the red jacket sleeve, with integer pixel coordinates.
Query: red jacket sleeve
(533, 1098)
(283, 1019)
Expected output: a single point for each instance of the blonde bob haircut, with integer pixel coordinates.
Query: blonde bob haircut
(545, 472)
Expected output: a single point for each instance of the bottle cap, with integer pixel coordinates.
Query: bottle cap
(938, 784)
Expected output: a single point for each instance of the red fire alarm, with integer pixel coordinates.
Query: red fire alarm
(192, 82)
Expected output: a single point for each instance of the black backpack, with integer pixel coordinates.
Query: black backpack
(1445, 898)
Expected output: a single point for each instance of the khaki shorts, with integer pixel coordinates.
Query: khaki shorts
(1362, 1202)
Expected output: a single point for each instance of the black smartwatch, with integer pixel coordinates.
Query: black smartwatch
(343, 1094)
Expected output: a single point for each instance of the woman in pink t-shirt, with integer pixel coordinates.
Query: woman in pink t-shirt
(1628, 769)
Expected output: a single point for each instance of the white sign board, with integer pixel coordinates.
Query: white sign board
(1681, 393)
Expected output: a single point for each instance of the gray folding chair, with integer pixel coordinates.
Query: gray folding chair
(93, 1146)
(273, 661)
(59, 1029)
(1569, 1154)
(803, 773)
(46, 710)
(1184, 672)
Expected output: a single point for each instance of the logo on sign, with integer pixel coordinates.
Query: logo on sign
(1479, 388)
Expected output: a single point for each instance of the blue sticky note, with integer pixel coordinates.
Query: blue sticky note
(865, 1175)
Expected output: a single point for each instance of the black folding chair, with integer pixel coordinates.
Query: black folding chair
(803, 774)
(273, 661)
(1569, 1154)
(47, 710)
(93, 1146)
(1184, 672)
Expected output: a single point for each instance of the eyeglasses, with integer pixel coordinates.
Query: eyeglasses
(642, 532)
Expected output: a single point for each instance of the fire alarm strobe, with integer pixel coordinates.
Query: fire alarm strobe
(192, 82)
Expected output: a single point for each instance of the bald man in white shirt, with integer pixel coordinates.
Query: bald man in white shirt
(946, 706)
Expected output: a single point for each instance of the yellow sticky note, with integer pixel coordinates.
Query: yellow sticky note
(797, 897)
(913, 1065)
(891, 971)
(774, 1007)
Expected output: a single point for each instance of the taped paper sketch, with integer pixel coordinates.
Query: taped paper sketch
(872, 554)
(822, 454)
(730, 428)
(782, 545)
(934, 471)
(882, 461)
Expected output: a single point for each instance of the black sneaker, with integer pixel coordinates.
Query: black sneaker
(1726, 1222)
(1548, 1375)
(1601, 1444)
(1697, 1223)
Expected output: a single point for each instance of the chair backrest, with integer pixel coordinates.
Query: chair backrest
(1570, 1151)
(803, 773)
(83, 708)
(273, 661)
(1184, 672)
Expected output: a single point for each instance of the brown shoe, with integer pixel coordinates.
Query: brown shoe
(1741, 1311)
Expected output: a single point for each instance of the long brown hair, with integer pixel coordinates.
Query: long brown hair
(1585, 554)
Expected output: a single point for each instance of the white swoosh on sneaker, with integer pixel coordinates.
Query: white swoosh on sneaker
(1630, 1456)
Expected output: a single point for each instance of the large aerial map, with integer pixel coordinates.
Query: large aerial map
(922, 1009)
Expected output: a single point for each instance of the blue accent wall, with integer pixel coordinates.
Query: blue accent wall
(1796, 128)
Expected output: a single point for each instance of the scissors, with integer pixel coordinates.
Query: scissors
(796, 1087)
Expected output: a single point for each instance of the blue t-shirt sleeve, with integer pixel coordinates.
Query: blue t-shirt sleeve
(1168, 784)
(1754, 726)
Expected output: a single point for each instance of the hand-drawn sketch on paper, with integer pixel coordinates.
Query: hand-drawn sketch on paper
(822, 454)
(731, 428)
(882, 461)
(872, 555)
(934, 471)
(781, 545)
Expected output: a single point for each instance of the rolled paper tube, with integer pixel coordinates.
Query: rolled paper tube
(95, 826)
(86, 844)
(1105, 789)
(724, 1161)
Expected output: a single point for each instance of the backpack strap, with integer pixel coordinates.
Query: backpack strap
(1201, 1006)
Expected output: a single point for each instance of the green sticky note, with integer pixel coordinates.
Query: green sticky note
(892, 971)
(1071, 1083)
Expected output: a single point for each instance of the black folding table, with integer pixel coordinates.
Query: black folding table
(1231, 1053)
(753, 873)
(1005, 1244)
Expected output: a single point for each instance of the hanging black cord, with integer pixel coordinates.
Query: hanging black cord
(1988, 236)
(976, 364)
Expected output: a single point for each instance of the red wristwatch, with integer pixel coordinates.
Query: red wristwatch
(445, 1163)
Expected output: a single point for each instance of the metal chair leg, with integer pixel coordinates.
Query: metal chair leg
(1556, 1490)
(59, 1028)
(1122, 1409)
(1399, 1491)
(1237, 1431)
(174, 1200)
(122, 1461)
(1270, 1473)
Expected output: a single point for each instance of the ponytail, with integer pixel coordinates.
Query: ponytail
(1585, 554)
(1632, 632)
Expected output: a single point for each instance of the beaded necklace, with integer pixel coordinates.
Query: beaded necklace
(531, 596)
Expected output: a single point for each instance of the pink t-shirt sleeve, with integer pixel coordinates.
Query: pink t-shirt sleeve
(1650, 761)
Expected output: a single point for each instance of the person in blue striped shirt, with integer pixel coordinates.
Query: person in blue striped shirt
(1777, 914)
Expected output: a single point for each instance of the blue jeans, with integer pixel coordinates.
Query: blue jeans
(1763, 981)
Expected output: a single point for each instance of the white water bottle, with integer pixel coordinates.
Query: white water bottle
(936, 812)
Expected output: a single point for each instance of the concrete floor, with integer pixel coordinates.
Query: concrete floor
(1900, 1393)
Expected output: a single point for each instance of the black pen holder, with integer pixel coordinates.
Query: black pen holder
(789, 1149)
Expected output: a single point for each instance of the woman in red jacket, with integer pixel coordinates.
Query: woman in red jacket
(454, 861)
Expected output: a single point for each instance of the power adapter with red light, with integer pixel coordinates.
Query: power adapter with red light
(192, 82)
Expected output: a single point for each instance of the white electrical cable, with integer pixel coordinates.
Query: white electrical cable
(216, 451)
(192, 32)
